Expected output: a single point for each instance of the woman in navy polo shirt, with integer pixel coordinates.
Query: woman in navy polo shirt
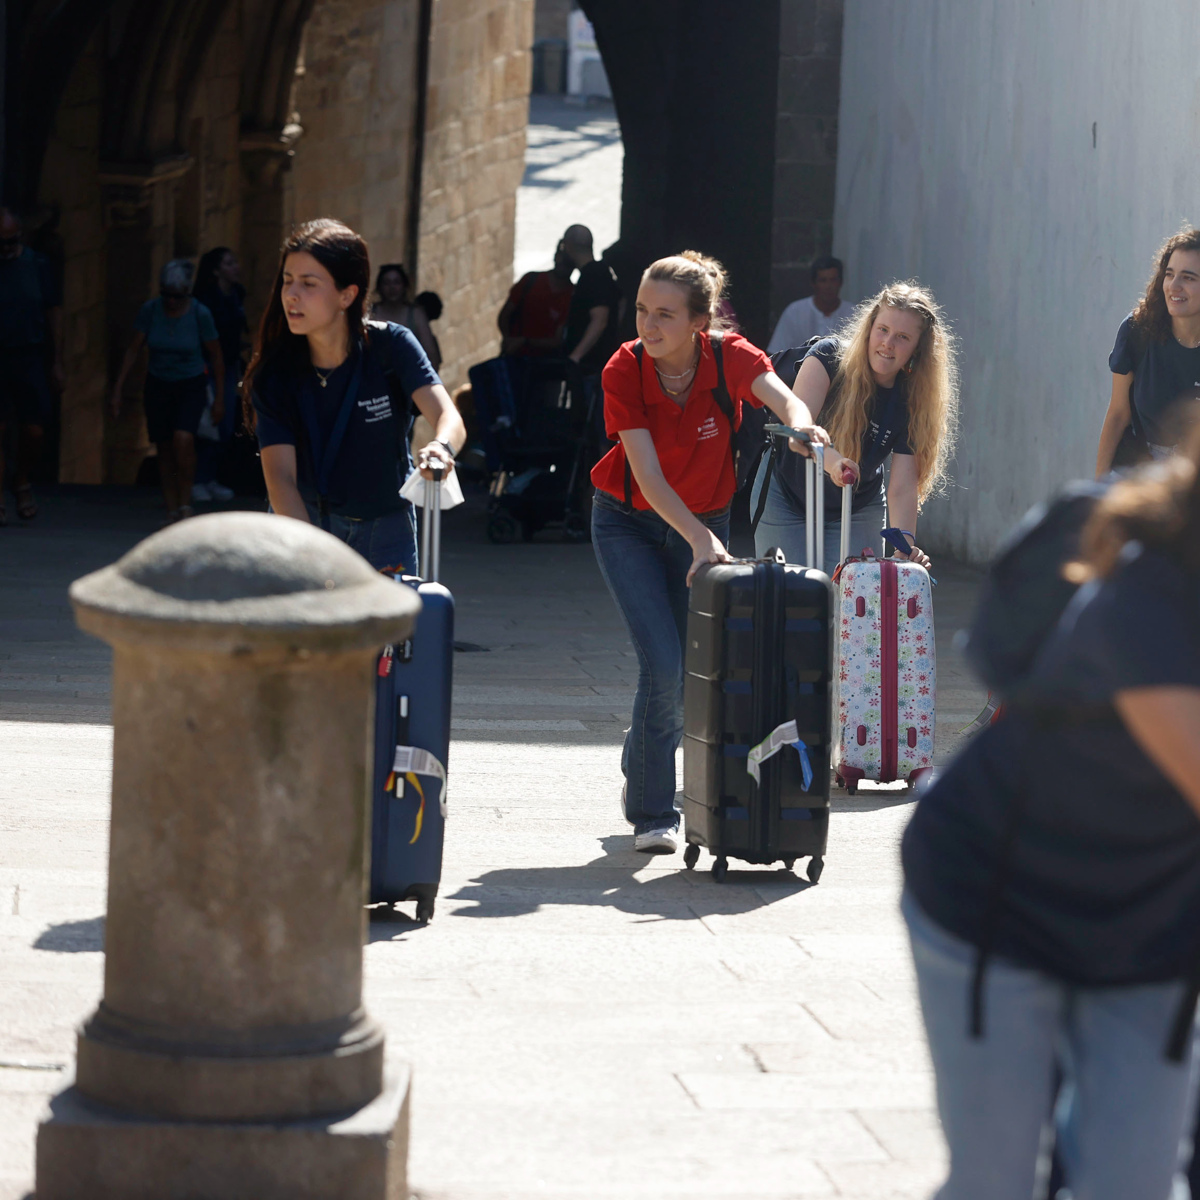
(1052, 879)
(661, 508)
(328, 394)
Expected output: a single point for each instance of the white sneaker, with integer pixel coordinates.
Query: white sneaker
(201, 494)
(657, 841)
(218, 491)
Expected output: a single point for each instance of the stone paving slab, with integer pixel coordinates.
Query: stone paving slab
(583, 1023)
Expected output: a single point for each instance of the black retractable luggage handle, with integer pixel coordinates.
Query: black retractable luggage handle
(814, 497)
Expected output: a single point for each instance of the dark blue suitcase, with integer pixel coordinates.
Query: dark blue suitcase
(412, 744)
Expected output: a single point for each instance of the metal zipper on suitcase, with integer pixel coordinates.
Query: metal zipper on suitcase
(889, 723)
(763, 589)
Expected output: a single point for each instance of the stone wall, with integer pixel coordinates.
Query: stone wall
(355, 95)
(70, 184)
(474, 159)
(1013, 158)
(810, 49)
(550, 18)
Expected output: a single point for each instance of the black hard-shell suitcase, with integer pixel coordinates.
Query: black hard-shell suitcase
(759, 655)
(412, 739)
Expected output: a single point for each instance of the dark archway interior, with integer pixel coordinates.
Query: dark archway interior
(695, 87)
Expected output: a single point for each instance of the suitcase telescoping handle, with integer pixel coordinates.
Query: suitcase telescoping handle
(431, 528)
(814, 499)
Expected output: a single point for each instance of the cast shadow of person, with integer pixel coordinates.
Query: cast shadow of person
(641, 885)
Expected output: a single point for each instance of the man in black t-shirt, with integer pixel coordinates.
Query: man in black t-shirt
(591, 337)
(30, 342)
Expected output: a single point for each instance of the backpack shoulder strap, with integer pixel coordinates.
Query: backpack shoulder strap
(379, 346)
(721, 391)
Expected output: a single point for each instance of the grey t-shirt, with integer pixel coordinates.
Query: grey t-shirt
(1166, 375)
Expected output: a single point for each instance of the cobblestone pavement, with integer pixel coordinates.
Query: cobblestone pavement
(574, 161)
(584, 1023)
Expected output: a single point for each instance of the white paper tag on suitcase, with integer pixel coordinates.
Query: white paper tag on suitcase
(412, 760)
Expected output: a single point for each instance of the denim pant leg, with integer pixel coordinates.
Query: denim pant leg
(387, 543)
(994, 1093)
(645, 563)
(1128, 1122)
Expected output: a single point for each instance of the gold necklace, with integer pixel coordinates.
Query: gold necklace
(323, 380)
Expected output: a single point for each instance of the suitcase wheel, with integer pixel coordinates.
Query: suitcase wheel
(691, 856)
(789, 864)
(720, 869)
(815, 866)
(425, 911)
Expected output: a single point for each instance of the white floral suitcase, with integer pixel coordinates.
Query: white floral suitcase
(885, 680)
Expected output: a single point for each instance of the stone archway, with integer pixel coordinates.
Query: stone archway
(729, 122)
(159, 128)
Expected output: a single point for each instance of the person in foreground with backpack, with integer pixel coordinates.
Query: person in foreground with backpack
(329, 396)
(886, 387)
(1155, 362)
(1052, 874)
(661, 509)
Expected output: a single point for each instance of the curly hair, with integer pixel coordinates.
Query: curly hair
(1159, 506)
(1150, 317)
(930, 382)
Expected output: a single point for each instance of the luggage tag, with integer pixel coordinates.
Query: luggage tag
(782, 735)
(411, 762)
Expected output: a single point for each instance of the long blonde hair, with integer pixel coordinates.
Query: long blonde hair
(930, 382)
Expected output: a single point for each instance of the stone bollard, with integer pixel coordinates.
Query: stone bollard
(231, 1057)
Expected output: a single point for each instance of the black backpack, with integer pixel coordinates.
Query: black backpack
(752, 439)
(1024, 593)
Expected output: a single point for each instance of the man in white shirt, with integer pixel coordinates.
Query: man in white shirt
(820, 313)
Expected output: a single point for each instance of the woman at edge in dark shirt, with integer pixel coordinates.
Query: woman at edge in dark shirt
(1052, 879)
(1155, 361)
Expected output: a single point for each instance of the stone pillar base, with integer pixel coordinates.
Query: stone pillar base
(84, 1150)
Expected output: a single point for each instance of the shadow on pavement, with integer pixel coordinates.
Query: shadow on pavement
(73, 937)
(611, 881)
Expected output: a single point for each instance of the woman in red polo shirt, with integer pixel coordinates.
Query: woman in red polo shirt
(661, 508)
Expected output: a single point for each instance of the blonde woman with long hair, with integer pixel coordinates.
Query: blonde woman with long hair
(886, 387)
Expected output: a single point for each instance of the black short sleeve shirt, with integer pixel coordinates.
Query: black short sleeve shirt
(1102, 881)
(597, 286)
(374, 458)
(886, 433)
(1166, 375)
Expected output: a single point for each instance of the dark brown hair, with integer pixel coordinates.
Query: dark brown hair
(343, 253)
(1150, 317)
(1159, 507)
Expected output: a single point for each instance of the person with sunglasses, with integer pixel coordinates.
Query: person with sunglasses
(30, 341)
(180, 334)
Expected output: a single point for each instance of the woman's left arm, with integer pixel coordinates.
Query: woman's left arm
(434, 404)
(1165, 723)
(902, 503)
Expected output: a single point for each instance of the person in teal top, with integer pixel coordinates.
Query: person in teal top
(180, 334)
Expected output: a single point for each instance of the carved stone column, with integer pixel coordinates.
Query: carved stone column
(231, 1056)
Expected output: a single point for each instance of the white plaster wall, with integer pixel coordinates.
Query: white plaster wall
(966, 160)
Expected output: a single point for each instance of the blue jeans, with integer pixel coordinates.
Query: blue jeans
(782, 525)
(1124, 1113)
(388, 543)
(645, 564)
